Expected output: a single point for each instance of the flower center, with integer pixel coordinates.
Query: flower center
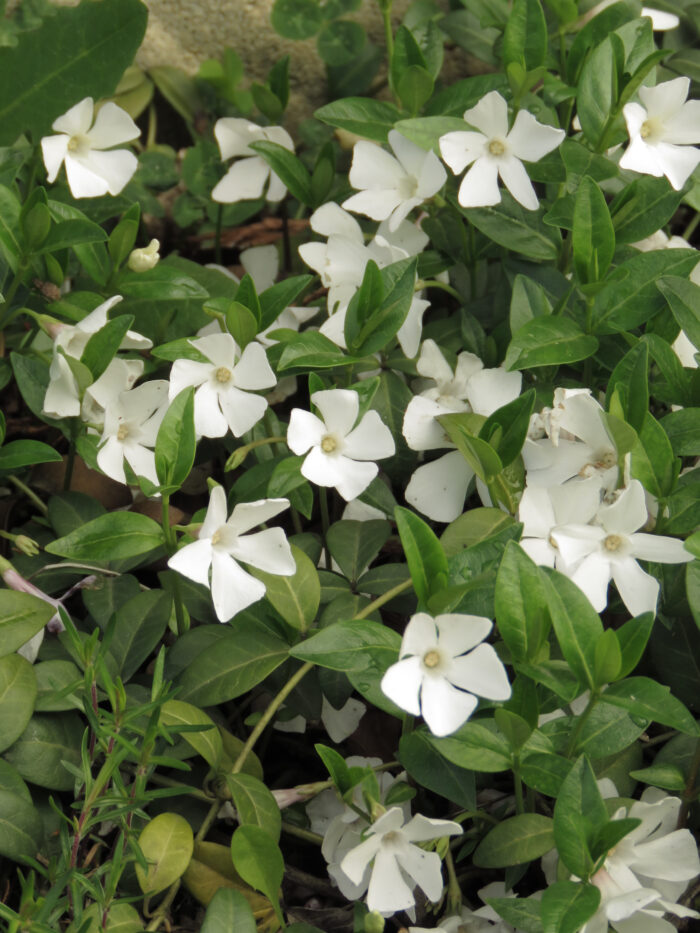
(223, 375)
(328, 443)
(431, 659)
(553, 543)
(606, 460)
(123, 432)
(497, 147)
(216, 537)
(612, 543)
(408, 185)
(80, 145)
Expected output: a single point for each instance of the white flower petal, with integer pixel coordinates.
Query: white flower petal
(592, 577)
(234, 135)
(357, 860)
(341, 723)
(370, 440)
(402, 683)
(421, 428)
(217, 511)
(266, 550)
(253, 370)
(490, 115)
(517, 181)
(443, 706)
(531, 140)
(459, 632)
(420, 635)
(438, 489)
(479, 187)
(375, 203)
(77, 120)
(481, 672)
(331, 220)
(374, 168)
(110, 459)
(112, 127)
(423, 868)
(83, 181)
(53, 150)
(244, 181)
(678, 162)
(142, 461)
(247, 515)
(639, 591)
(241, 409)
(627, 513)
(193, 561)
(208, 418)
(673, 857)
(339, 409)
(262, 265)
(659, 548)
(490, 389)
(232, 588)
(305, 430)
(388, 891)
(116, 167)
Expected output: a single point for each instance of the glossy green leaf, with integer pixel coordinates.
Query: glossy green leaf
(567, 905)
(296, 598)
(176, 442)
(476, 746)
(205, 741)
(254, 803)
(579, 813)
(515, 841)
(48, 740)
(21, 617)
(683, 297)
(576, 624)
(432, 770)
(362, 115)
(549, 341)
(17, 696)
(350, 645)
(593, 236)
(228, 910)
(354, 545)
(424, 554)
(521, 604)
(258, 860)
(167, 843)
(525, 35)
(642, 696)
(16, 455)
(21, 828)
(292, 172)
(110, 537)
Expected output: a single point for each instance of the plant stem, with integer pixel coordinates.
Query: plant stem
(164, 907)
(300, 833)
(690, 229)
(385, 598)
(269, 713)
(217, 234)
(385, 7)
(518, 785)
(434, 283)
(325, 524)
(181, 618)
(30, 494)
(208, 821)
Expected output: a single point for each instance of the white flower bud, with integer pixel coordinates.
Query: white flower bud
(141, 260)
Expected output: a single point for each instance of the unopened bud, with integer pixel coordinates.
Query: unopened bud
(141, 260)
(374, 922)
(26, 545)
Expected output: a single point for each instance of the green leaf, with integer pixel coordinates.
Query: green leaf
(598, 87)
(608, 658)
(21, 617)
(642, 208)
(340, 42)
(77, 51)
(255, 805)
(72, 233)
(567, 905)
(579, 813)
(516, 729)
(167, 843)
(21, 827)
(431, 770)
(523, 913)
(515, 841)
(176, 442)
(576, 623)
(545, 772)
(311, 350)
(521, 604)
(354, 545)
(228, 910)
(206, 742)
(140, 625)
(258, 860)
(629, 381)
(350, 646)
(683, 297)
(372, 335)
(593, 236)
(632, 638)
(528, 301)
(476, 746)
(424, 554)
(415, 88)
(47, 741)
(277, 297)
(241, 658)
(629, 297)
(478, 453)
(516, 228)
(123, 238)
(17, 695)
(667, 776)
(549, 341)
(649, 699)
(57, 682)
(296, 598)
(110, 537)
(525, 35)
(103, 344)
(593, 33)
(296, 19)
(362, 115)
(683, 430)
(288, 167)
(19, 454)
(506, 429)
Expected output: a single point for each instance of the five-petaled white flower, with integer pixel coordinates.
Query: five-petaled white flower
(398, 864)
(223, 541)
(81, 146)
(495, 151)
(224, 398)
(443, 667)
(131, 423)
(642, 878)
(609, 550)
(340, 453)
(662, 132)
(391, 186)
(247, 177)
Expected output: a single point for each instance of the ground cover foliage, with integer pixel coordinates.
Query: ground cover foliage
(350, 496)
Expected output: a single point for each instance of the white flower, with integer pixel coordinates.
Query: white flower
(224, 398)
(223, 541)
(647, 871)
(685, 350)
(662, 132)
(542, 510)
(609, 551)
(495, 151)
(397, 864)
(438, 489)
(119, 376)
(62, 399)
(90, 170)
(131, 425)
(392, 187)
(443, 667)
(483, 920)
(578, 443)
(339, 451)
(342, 260)
(246, 179)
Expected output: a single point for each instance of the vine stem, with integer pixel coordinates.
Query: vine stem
(30, 494)
(296, 678)
(181, 619)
